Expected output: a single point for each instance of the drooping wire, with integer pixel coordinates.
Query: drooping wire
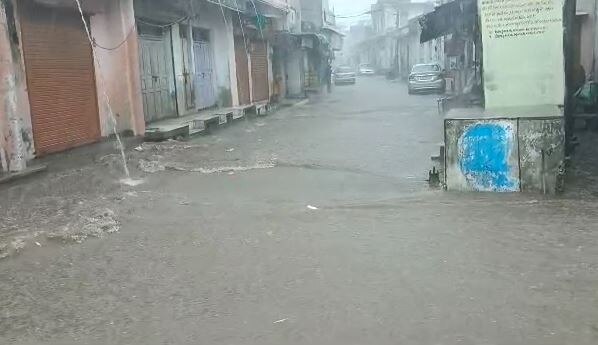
(242, 30)
(355, 15)
(178, 21)
(257, 19)
(133, 28)
(222, 11)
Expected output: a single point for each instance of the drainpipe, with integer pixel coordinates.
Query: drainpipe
(570, 10)
(595, 50)
(3, 162)
(13, 156)
(17, 160)
(3, 141)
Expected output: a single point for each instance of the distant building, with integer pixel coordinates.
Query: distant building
(153, 59)
(391, 46)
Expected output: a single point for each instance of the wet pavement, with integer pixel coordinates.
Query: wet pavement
(313, 225)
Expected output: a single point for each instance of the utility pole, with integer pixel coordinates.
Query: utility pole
(569, 12)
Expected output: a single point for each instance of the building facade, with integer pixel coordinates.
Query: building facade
(142, 61)
(319, 39)
(393, 46)
(56, 87)
(586, 43)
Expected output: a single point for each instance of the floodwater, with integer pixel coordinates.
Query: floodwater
(313, 225)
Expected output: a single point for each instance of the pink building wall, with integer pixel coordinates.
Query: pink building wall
(117, 76)
(117, 67)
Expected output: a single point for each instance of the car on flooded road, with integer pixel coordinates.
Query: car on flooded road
(366, 69)
(344, 75)
(426, 77)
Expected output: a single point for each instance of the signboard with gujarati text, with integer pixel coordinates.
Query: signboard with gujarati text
(523, 52)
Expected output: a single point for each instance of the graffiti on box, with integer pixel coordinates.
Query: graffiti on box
(484, 153)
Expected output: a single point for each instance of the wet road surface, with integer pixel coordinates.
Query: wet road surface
(311, 226)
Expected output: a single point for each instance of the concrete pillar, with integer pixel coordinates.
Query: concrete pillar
(232, 61)
(17, 157)
(269, 51)
(595, 51)
(117, 68)
(179, 68)
(13, 153)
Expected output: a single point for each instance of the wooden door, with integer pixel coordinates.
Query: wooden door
(157, 75)
(204, 74)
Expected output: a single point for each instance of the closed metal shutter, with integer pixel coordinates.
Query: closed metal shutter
(242, 70)
(259, 71)
(60, 78)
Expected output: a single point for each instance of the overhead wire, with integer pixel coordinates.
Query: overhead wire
(178, 21)
(257, 15)
(354, 15)
(242, 30)
(368, 12)
(133, 28)
(222, 10)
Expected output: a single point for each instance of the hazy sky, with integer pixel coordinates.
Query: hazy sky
(354, 7)
(351, 7)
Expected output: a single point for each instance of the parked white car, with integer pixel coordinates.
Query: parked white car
(366, 69)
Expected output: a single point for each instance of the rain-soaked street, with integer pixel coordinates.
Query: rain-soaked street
(313, 225)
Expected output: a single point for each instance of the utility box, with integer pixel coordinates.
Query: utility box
(523, 149)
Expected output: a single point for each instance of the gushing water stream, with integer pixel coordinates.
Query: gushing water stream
(127, 180)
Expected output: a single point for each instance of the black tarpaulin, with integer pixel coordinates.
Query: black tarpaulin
(448, 18)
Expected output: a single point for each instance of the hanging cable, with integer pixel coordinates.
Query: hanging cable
(242, 31)
(222, 10)
(96, 44)
(257, 15)
(355, 15)
(178, 21)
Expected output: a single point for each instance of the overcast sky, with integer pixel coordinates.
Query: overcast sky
(354, 7)
(351, 7)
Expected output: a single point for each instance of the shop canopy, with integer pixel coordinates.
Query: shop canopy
(454, 16)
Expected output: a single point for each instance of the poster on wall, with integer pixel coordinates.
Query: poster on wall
(523, 52)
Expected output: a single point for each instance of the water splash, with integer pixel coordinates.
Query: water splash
(131, 182)
(127, 180)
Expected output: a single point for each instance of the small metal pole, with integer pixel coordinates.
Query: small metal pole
(543, 171)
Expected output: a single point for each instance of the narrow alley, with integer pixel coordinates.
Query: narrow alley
(313, 225)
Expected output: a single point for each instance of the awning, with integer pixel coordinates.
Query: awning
(447, 18)
(333, 29)
(278, 4)
(316, 37)
(235, 5)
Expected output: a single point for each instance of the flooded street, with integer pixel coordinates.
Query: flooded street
(313, 225)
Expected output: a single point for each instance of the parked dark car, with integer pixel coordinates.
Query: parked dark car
(427, 77)
(344, 75)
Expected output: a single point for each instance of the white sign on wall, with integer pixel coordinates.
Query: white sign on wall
(523, 52)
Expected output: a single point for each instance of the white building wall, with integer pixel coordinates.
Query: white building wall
(222, 41)
(587, 13)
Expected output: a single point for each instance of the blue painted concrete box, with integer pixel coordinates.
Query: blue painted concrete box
(482, 155)
(505, 150)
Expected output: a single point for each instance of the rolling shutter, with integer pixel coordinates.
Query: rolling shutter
(242, 63)
(259, 71)
(60, 78)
